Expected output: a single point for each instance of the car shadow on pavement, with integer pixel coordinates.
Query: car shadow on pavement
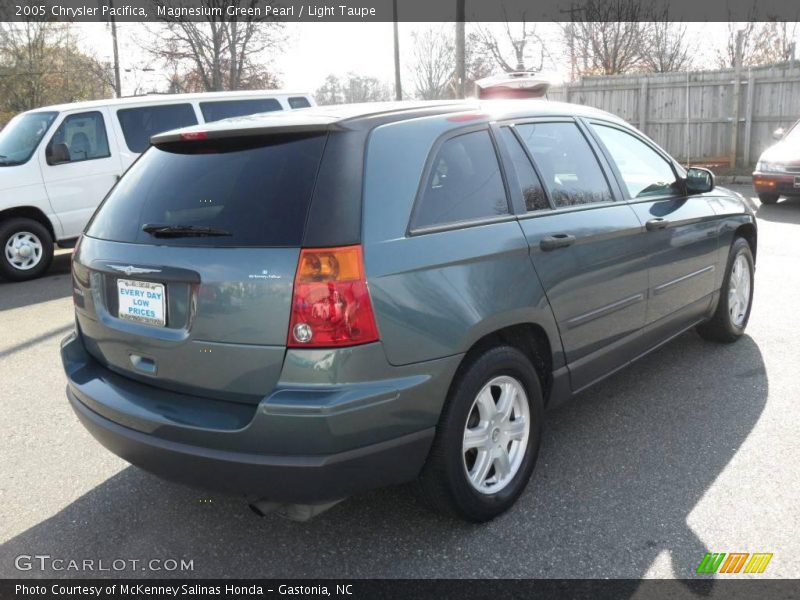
(787, 210)
(621, 469)
(53, 285)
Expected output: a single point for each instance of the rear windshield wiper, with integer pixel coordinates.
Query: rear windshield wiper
(159, 230)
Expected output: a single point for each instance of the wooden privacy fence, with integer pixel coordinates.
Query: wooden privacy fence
(694, 115)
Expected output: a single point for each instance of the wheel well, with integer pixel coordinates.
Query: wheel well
(29, 212)
(748, 232)
(528, 338)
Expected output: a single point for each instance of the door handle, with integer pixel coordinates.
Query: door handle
(557, 240)
(656, 224)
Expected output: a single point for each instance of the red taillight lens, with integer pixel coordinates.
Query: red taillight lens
(77, 246)
(331, 305)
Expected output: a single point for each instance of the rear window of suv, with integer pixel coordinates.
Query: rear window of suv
(255, 191)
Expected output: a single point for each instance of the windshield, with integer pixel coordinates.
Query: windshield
(793, 135)
(22, 135)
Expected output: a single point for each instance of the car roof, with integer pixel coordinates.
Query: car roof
(170, 98)
(372, 114)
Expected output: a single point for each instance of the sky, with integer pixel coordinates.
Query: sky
(314, 50)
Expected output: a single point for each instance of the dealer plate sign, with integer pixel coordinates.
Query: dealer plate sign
(142, 301)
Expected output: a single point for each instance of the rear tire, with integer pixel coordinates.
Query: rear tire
(26, 249)
(477, 483)
(735, 299)
(768, 198)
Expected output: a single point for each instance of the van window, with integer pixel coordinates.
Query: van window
(464, 183)
(215, 111)
(141, 123)
(251, 191)
(567, 163)
(79, 137)
(532, 191)
(299, 102)
(22, 135)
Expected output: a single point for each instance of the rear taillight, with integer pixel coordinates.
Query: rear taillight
(190, 136)
(76, 247)
(331, 305)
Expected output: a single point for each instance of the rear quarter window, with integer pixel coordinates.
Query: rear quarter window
(141, 123)
(463, 183)
(256, 190)
(299, 102)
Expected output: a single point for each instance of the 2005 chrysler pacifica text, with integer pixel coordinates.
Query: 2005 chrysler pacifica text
(302, 306)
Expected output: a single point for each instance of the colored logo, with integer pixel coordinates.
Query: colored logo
(734, 562)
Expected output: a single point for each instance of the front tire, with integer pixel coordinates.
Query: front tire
(488, 437)
(768, 198)
(736, 297)
(26, 249)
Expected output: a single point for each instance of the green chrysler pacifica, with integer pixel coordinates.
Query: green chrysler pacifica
(298, 307)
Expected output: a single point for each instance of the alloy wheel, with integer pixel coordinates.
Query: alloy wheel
(739, 290)
(496, 434)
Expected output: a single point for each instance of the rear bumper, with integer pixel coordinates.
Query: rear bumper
(288, 479)
(776, 183)
(299, 445)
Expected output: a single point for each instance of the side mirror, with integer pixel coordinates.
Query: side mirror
(57, 154)
(779, 133)
(699, 180)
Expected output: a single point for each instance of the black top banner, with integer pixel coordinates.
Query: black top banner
(310, 11)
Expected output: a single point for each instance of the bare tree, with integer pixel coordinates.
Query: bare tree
(607, 38)
(509, 50)
(220, 52)
(666, 47)
(762, 43)
(353, 88)
(434, 63)
(41, 63)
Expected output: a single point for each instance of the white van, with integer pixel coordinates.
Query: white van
(58, 162)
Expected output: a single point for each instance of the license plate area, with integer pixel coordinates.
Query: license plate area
(142, 302)
(797, 181)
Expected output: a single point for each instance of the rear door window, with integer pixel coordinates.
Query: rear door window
(464, 183)
(141, 123)
(215, 111)
(251, 192)
(568, 165)
(532, 190)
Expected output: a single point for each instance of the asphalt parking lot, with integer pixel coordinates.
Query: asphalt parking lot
(694, 449)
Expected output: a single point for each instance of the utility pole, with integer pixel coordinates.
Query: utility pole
(461, 68)
(112, 19)
(737, 92)
(398, 88)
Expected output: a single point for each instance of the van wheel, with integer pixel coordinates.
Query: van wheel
(735, 299)
(488, 437)
(26, 247)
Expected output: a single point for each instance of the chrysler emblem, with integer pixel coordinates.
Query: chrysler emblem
(130, 269)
